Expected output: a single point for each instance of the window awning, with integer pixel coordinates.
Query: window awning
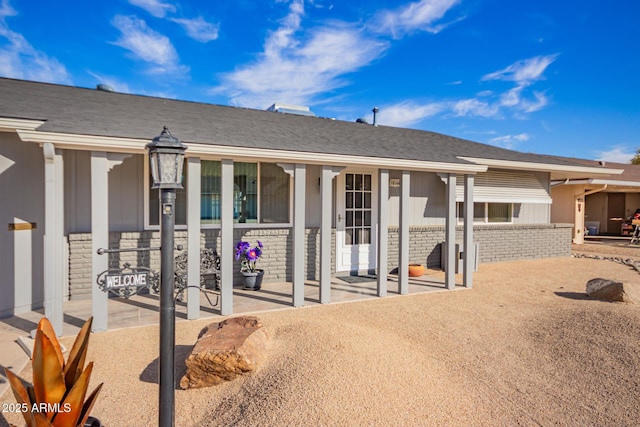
(505, 187)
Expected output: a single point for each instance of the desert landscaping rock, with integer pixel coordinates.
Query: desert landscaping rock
(225, 351)
(606, 290)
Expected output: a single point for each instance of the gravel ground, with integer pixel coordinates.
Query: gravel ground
(523, 347)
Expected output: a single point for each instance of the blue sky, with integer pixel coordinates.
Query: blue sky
(552, 77)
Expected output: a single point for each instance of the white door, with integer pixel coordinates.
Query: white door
(356, 220)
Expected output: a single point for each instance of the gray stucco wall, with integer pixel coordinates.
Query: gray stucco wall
(21, 251)
(126, 193)
(497, 243)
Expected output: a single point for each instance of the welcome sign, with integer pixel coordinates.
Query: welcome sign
(125, 280)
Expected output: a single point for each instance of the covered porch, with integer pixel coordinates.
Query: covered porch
(144, 309)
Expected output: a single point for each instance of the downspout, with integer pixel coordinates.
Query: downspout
(578, 229)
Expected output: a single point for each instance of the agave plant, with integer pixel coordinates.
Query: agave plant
(57, 396)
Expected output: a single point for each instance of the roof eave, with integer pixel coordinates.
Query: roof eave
(568, 171)
(214, 151)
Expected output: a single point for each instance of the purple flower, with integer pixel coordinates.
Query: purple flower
(248, 255)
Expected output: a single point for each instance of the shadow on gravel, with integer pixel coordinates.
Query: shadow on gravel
(151, 372)
(573, 295)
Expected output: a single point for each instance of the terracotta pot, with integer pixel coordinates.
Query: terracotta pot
(416, 270)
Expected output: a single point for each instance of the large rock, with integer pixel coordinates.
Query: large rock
(226, 350)
(607, 290)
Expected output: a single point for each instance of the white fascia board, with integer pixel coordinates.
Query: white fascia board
(8, 124)
(211, 151)
(542, 167)
(85, 142)
(598, 182)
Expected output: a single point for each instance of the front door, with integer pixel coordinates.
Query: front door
(356, 220)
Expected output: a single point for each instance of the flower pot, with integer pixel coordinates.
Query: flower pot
(252, 280)
(416, 270)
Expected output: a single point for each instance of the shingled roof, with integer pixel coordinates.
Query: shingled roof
(73, 110)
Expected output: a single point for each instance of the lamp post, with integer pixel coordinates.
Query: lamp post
(166, 155)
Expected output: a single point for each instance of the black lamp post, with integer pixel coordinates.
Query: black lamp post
(166, 155)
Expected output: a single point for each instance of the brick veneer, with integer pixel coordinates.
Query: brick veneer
(497, 243)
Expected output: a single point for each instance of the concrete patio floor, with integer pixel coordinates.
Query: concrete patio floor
(144, 309)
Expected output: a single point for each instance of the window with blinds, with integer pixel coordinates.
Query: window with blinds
(261, 195)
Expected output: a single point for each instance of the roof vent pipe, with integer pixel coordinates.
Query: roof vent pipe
(375, 111)
(104, 88)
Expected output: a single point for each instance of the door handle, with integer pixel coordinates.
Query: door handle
(339, 217)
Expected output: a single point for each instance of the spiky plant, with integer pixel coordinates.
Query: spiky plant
(57, 396)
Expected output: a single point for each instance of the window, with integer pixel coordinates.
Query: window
(357, 209)
(274, 194)
(261, 195)
(488, 212)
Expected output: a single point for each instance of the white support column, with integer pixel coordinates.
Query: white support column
(450, 232)
(469, 247)
(226, 238)
(325, 234)
(54, 236)
(383, 230)
(403, 259)
(99, 236)
(298, 250)
(193, 237)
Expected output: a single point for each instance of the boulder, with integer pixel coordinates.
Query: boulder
(225, 351)
(607, 290)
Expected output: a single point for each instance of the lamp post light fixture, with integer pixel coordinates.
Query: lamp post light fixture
(166, 155)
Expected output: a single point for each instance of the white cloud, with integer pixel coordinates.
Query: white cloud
(509, 141)
(616, 154)
(540, 102)
(148, 45)
(20, 60)
(417, 16)
(199, 29)
(295, 69)
(407, 113)
(523, 72)
(474, 107)
(156, 8)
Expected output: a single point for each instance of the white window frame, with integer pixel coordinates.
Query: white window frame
(147, 188)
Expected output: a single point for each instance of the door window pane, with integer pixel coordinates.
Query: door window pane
(349, 216)
(365, 236)
(348, 199)
(358, 182)
(348, 236)
(367, 182)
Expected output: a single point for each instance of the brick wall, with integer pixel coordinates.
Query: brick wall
(497, 243)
